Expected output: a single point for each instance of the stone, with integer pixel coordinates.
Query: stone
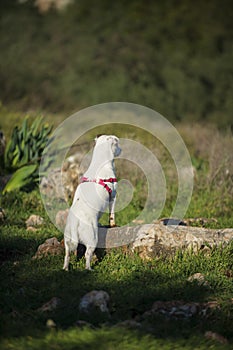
(34, 221)
(62, 187)
(178, 309)
(156, 239)
(51, 246)
(50, 324)
(200, 221)
(50, 305)
(215, 336)
(199, 278)
(96, 299)
(32, 229)
(61, 218)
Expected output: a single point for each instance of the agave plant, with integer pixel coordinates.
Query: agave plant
(23, 152)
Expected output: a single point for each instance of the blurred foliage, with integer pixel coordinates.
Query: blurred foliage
(27, 143)
(23, 153)
(173, 56)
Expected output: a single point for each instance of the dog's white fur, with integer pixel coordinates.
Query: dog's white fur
(91, 199)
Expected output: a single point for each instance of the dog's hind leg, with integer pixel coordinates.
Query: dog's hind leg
(70, 239)
(67, 257)
(88, 255)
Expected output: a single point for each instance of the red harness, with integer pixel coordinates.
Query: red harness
(101, 182)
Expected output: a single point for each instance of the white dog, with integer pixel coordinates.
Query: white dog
(96, 191)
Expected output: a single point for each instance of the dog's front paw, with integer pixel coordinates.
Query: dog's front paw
(112, 224)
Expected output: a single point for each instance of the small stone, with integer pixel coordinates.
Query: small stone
(174, 309)
(34, 220)
(50, 324)
(50, 247)
(61, 218)
(32, 229)
(216, 336)
(50, 305)
(199, 278)
(138, 222)
(95, 299)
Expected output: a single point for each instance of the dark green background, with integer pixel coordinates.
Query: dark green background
(173, 56)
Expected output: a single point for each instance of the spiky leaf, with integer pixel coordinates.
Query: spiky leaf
(20, 178)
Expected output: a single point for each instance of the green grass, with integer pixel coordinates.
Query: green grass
(133, 286)
(109, 338)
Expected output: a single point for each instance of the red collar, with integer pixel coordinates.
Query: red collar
(101, 182)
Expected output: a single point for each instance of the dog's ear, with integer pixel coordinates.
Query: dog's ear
(97, 136)
(95, 139)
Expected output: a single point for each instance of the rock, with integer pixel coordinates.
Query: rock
(96, 299)
(34, 220)
(173, 309)
(61, 218)
(179, 309)
(50, 305)
(62, 187)
(50, 246)
(216, 336)
(199, 278)
(200, 221)
(32, 229)
(50, 324)
(155, 240)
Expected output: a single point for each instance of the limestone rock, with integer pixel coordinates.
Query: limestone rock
(50, 324)
(199, 278)
(34, 220)
(96, 299)
(57, 186)
(50, 305)
(50, 246)
(157, 239)
(179, 309)
(215, 336)
(61, 218)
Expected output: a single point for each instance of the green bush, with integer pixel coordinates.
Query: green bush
(23, 153)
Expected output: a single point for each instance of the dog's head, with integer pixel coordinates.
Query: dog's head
(111, 142)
